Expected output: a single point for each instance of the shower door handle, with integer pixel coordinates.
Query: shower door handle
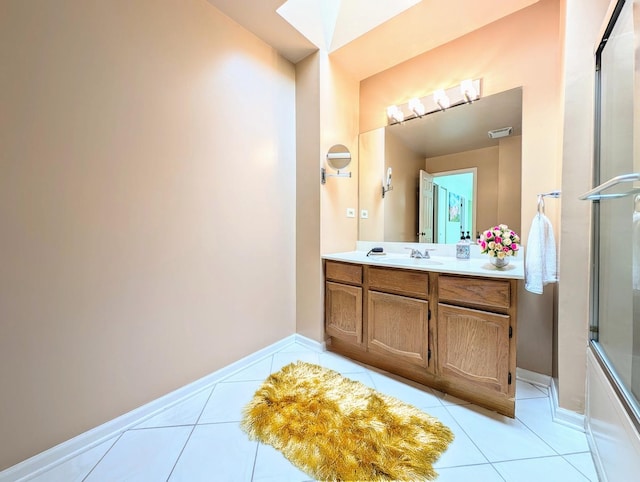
(596, 193)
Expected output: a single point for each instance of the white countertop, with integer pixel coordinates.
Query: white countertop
(475, 266)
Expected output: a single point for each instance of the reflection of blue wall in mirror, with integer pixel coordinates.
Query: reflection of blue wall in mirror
(458, 217)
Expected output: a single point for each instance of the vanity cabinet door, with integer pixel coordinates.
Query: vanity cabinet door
(398, 326)
(343, 312)
(473, 348)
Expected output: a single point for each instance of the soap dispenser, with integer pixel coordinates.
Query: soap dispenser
(463, 248)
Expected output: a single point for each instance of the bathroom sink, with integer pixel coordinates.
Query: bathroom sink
(407, 261)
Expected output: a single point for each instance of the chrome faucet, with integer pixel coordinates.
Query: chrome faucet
(415, 253)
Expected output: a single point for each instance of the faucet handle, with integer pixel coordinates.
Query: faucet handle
(414, 252)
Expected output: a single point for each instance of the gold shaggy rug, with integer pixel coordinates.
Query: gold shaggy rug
(334, 428)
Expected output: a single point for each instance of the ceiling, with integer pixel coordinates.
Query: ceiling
(365, 41)
(357, 34)
(462, 128)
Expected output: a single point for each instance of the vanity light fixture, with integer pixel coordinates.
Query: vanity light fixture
(394, 114)
(464, 93)
(440, 97)
(386, 185)
(417, 107)
(468, 90)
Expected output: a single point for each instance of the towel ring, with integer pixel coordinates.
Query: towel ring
(540, 204)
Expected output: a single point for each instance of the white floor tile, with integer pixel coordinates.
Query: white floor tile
(282, 359)
(298, 348)
(362, 377)
(77, 468)
(216, 452)
(228, 400)
(548, 469)
(258, 371)
(462, 450)
(535, 413)
(527, 390)
(340, 364)
(447, 399)
(584, 463)
(419, 397)
(142, 455)
(523, 449)
(475, 473)
(272, 466)
(183, 413)
(498, 437)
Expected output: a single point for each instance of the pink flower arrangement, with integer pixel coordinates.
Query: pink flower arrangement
(499, 242)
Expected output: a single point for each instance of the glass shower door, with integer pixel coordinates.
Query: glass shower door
(615, 325)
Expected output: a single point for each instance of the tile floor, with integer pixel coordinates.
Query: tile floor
(200, 439)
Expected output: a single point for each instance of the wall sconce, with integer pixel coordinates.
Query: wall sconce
(440, 97)
(338, 158)
(394, 114)
(466, 92)
(386, 185)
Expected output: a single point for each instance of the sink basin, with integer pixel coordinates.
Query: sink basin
(406, 261)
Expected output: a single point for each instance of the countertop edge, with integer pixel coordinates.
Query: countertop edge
(447, 265)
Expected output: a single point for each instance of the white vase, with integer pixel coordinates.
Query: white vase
(499, 263)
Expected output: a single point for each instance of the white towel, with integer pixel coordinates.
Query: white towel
(540, 255)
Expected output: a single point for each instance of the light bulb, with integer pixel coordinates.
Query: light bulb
(417, 107)
(440, 98)
(394, 114)
(468, 90)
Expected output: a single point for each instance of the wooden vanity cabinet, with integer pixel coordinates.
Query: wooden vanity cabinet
(476, 344)
(343, 302)
(398, 315)
(454, 333)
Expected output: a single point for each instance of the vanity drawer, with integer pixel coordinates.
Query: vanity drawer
(407, 282)
(349, 273)
(482, 292)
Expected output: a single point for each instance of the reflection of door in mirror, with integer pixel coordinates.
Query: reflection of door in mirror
(455, 204)
(440, 197)
(425, 208)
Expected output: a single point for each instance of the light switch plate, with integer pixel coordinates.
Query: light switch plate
(351, 213)
(364, 214)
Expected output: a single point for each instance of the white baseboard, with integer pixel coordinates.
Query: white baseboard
(309, 343)
(64, 451)
(533, 377)
(558, 414)
(563, 416)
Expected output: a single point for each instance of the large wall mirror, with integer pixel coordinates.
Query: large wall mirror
(448, 176)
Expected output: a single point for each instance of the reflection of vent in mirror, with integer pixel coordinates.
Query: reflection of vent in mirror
(338, 158)
(497, 133)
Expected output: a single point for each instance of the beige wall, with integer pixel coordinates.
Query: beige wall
(371, 146)
(401, 203)
(504, 59)
(309, 279)
(583, 24)
(147, 204)
(327, 114)
(510, 182)
(339, 111)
